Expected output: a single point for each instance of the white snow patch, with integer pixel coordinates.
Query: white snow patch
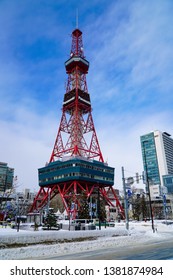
(118, 236)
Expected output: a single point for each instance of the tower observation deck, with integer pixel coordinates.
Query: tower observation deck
(76, 165)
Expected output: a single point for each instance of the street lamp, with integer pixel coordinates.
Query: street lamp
(147, 183)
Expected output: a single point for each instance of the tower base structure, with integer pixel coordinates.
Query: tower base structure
(71, 177)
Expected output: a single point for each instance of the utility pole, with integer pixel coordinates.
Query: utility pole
(98, 207)
(148, 185)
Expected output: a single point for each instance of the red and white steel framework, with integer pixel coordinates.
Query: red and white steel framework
(76, 135)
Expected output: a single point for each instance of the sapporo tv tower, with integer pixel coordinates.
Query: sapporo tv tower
(76, 165)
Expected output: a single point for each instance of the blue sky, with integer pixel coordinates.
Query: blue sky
(129, 44)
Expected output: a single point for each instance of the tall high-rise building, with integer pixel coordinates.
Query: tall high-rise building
(157, 153)
(6, 177)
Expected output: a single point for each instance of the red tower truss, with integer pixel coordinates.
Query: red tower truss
(76, 164)
(76, 121)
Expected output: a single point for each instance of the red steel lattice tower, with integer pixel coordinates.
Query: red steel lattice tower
(76, 164)
(76, 119)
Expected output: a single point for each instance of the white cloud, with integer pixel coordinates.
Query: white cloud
(135, 52)
(120, 139)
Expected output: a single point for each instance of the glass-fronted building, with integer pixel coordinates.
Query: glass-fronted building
(168, 183)
(150, 160)
(6, 177)
(157, 154)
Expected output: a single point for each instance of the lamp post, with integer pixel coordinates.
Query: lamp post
(147, 184)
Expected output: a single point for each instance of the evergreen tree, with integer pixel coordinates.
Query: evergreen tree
(137, 208)
(83, 212)
(50, 220)
(140, 207)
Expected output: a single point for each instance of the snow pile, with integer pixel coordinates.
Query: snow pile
(63, 241)
(10, 236)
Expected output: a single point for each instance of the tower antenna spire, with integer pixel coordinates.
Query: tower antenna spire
(77, 18)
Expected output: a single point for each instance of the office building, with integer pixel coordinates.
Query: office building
(168, 182)
(157, 153)
(6, 177)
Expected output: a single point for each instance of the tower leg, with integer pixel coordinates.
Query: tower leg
(70, 195)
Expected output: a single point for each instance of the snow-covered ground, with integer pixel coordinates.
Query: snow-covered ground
(63, 241)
